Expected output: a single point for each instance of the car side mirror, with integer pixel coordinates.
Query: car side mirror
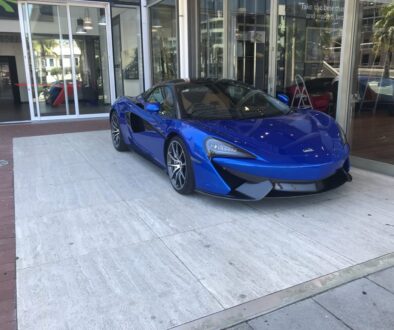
(152, 106)
(283, 98)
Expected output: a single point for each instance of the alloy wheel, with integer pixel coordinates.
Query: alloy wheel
(115, 131)
(176, 165)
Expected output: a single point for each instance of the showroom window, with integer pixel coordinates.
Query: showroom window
(309, 45)
(372, 123)
(233, 40)
(164, 40)
(126, 40)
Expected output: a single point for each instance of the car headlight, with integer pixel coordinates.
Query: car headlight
(343, 135)
(216, 147)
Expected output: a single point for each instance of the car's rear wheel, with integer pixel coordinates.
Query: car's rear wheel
(179, 167)
(117, 139)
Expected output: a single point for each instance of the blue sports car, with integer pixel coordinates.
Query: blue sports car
(228, 139)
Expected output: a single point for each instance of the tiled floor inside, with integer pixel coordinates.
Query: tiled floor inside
(103, 239)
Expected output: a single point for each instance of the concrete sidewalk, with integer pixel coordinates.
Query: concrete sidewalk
(104, 242)
(366, 303)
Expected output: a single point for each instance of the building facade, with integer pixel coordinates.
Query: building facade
(72, 59)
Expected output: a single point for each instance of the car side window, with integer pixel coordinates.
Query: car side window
(165, 97)
(168, 106)
(156, 95)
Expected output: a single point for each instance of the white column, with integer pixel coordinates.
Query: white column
(26, 59)
(272, 62)
(183, 40)
(347, 64)
(146, 45)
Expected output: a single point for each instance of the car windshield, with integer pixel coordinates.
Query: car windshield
(222, 100)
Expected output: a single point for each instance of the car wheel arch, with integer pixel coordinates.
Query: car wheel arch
(167, 141)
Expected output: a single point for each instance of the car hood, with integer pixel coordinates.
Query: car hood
(302, 136)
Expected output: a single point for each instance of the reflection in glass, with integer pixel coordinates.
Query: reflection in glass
(91, 59)
(372, 130)
(49, 48)
(127, 61)
(164, 41)
(234, 40)
(309, 44)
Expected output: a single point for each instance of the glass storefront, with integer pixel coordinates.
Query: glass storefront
(234, 43)
(64, 60)
(126, 36)
(68, 57)
(309, 45)
(89, 35)
(164, 41)
(234, 40)
(372, 122)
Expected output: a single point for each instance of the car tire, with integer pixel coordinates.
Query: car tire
(179, 166)
(116, 134)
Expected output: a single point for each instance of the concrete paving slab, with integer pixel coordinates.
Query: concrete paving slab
(305, 315)
(55, 175)
(141, 286)
(184, 213)
(27, 161)
(43, 198)
(332, 223)
(250, 258)
(384, 278)
(77, 232)
(31, 141)
(360, 304)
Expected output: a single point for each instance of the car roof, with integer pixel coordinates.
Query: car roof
(185, 82)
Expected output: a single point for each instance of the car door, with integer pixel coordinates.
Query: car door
(150, 136)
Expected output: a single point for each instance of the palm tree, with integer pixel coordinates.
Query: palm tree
(384, 36)
(6, 5)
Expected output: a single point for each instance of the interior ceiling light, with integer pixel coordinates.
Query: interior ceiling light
(87, 22)
(102, 20)
(80, 29)
(156, 24)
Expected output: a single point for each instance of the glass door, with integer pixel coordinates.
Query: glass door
(50, 61)
(163, 25)
(127, 51)
(68, 59)
(248, 31)
(233, 40)
(372, 124)
(89, 35)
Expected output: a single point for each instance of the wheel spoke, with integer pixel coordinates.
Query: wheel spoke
(115, 131)
(172, 157)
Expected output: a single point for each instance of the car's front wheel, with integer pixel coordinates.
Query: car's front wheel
(179, 166)
(117, 139)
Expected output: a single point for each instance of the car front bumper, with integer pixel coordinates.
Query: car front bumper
(253, 180)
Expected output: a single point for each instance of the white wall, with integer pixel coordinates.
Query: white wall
(15, 49)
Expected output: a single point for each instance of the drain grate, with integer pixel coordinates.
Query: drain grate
(3, 162)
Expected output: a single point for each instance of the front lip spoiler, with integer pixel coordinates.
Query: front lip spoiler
(337, 179)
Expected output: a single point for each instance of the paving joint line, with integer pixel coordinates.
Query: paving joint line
(331, 313)
(379, 285)
(274, 301)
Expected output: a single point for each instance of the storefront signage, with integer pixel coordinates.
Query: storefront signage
(323, 12)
